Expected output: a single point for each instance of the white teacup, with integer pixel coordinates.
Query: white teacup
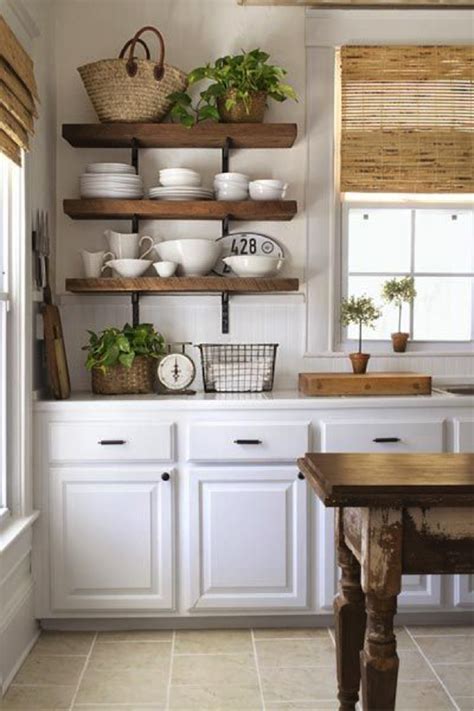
(93, 262)
(165, 269)
(127, 246)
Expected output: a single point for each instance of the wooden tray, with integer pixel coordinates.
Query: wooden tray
(329, 384)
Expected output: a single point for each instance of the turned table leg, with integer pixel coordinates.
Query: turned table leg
(349, 609)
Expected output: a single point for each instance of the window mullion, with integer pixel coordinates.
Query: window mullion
(411, 325)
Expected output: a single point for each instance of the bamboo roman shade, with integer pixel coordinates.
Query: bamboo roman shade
(18, 95)
(407, 119)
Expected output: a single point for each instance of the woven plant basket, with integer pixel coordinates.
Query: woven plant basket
(119, 380)
(240, 113)
(132, 90)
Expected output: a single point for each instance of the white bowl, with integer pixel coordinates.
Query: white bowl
(278, 184)
(233, 193)
(195, 257)
(231, 178)
(266, 192)
(254, 265)
(173, 177)
(129, 268)
(165, 269)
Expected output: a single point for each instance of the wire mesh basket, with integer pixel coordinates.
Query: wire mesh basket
(239, 368)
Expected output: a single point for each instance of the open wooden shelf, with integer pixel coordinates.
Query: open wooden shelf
(111, 209)
(169, 135)
(182, 284)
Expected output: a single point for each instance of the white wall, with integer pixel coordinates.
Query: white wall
(196, 31)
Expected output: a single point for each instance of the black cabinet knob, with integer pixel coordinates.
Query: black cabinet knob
(300, 476)
(165, 476)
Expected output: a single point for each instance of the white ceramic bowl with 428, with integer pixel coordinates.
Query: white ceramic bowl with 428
(195, 257)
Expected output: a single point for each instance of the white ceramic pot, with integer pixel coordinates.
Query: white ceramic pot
(195, 257)
(254, 265)
(267, 189)
(93, 262)
(128, 268)
(165, 269)
(127, 246)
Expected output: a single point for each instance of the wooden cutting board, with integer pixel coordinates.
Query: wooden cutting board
(330, 384)
(56, 362)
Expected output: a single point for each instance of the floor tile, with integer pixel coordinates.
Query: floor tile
(42, 669)
(465, 703)
(328, 705)
(214, 669)
(291, 633)
(221, 696)
(458, 678)
(298, 684)
(213, 642)
(423, 631)
(295, 653)
(413, 667)
(136, 636)
(131, 655)
(418, 696)
(404, 641)
(448, 649)
(123, 686)
(64, 643)
(114, 707)
(47, 698)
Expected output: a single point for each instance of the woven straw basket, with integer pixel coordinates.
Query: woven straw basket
(119, 380)
(131, 90)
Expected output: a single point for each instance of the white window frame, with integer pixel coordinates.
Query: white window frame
(326, 31)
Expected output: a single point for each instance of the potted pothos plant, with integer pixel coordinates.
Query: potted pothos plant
(398, 292)
(123, 360)
(360, 311)
(237, 91)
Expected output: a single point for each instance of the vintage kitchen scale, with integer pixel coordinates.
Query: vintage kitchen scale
(176, 371)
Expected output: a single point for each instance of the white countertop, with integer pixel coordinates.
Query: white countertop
(277, 400)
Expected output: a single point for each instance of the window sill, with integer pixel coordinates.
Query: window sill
(391, 354)
(13, 527)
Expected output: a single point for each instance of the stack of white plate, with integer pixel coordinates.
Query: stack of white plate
(180, 193)
(111, 180)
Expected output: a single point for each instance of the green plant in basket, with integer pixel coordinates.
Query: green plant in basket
(238, 90)
(114, 346)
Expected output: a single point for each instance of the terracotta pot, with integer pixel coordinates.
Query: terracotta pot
(399, 341)
(359, 362)
(240, 113)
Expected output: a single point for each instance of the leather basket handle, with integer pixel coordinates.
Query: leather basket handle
(127, 45)
(132, 66)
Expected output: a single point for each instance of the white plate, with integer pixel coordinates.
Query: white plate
(110, 168)
(110, 194)
(111, 179)
(246, 243)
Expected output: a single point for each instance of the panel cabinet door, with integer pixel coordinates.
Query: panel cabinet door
(247, 538)
(463, 589)
(368, 436)
(111, 540)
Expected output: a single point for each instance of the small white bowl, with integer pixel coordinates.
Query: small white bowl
(278, 184)
(254, 265)
(258, 191)
(231, 178)
(165, 269)
(128, 268)
(232, 193)
(185, 181)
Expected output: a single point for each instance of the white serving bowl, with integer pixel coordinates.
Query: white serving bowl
(254, 265)
(231, 178)
(233, 193)
(165, 269)
(180, 178)
(129, 268)
(263, 190)
(195, 257)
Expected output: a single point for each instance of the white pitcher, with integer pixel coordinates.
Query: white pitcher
(127, 246)
(93, 262)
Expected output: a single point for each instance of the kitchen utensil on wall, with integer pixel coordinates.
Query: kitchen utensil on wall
(128, 268)
(93, 262)
(127, 245)
(238, 368)
(176, 372)
(129, 89)
(245, 243)
(254, 265)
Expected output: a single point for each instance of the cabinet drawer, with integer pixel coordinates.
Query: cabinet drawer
(110, 441)
(249, 441)
(382, 436)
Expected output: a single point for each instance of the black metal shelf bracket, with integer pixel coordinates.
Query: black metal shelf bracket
(135, 224)
(135, 154)
(225, 226)
(225, 154)
(225, 311)
(135, 308)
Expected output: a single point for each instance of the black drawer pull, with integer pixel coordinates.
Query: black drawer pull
(381, 440)
(165, 476)
(300, 475)
(107, 442)
(247, 441)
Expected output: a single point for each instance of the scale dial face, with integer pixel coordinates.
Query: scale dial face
(176, 371)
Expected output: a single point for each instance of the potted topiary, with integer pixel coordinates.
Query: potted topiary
(399, 291)
(238, 91)
(363, 312)
(123, 361)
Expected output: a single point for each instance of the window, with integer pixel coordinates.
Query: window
(432, 243)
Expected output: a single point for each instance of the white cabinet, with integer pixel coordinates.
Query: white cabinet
(247, 538)
(111, 539)
(463, 590)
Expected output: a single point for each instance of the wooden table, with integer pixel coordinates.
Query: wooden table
(396, 514)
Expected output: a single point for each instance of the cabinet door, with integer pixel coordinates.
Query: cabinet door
(248, 531)
(368, 436)
(111, 540)
(463, 591)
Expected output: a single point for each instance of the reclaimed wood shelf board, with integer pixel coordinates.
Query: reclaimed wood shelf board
(169, 135)
(182, 284)
(111, 209)
(334, 384)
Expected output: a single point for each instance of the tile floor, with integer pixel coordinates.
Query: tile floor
(239, 670)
